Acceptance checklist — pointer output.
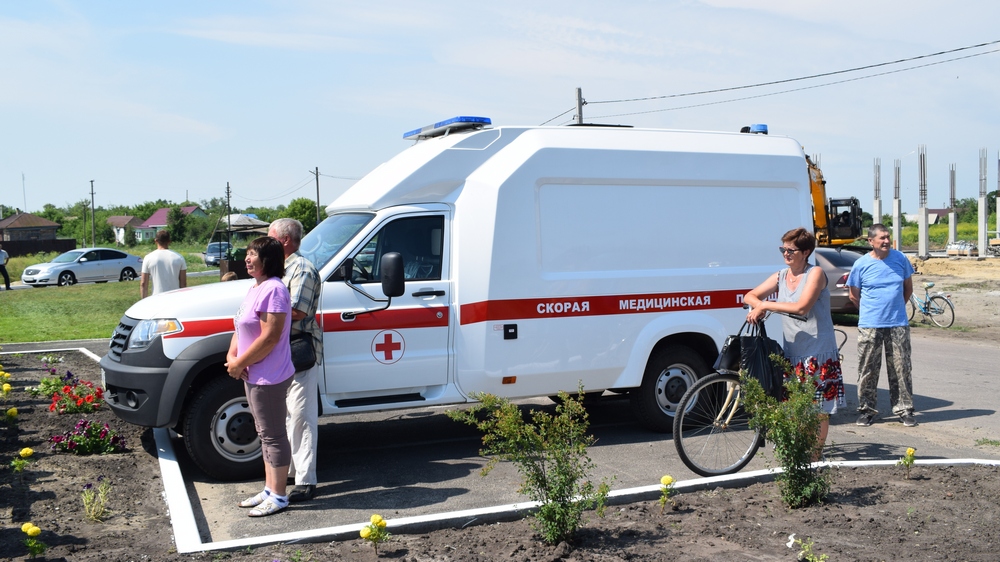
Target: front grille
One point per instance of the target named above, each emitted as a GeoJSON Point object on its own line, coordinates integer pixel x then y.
{"type": "Point", "coordinates": [120, 337]}
{"type": "Point", "coordinates": [30, 271]}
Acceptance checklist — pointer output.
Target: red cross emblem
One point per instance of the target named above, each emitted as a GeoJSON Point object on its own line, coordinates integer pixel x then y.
{"type": "Point", "coordinates": [388, 347]}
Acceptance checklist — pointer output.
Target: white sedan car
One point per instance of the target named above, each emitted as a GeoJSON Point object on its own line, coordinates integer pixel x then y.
{"type": "Point", "coordinates": [98, 265]}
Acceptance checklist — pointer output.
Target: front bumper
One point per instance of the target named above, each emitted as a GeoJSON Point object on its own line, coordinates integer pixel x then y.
{"type": "Point", "coordinates": [134, 385]}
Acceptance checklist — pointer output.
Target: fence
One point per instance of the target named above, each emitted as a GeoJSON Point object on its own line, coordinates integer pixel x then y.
{"type": "Point", "coordinates": [25, 247]}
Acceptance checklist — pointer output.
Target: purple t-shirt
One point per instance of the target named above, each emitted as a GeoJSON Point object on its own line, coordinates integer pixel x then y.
{"type": "Point", "coordinates": [269, 296]}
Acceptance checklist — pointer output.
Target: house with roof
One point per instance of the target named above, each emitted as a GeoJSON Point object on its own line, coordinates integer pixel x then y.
{"type": "Point", "coordinates": [147, 230]}
{"type": "Point", "coordinates": [120, 222]}
{"type": "Point", "coordinates": [25, 226]}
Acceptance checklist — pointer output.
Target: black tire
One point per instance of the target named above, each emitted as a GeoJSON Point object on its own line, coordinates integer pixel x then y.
{"type": "Point", "coordinates": [219, 432]}
{"type": "Point", "coordinates": [709, 440]}
{"type": "Point", "coordinates": [911, 309]}
{"type": "Point", "coordinates": [128, 274]}
{"type": "Point", "coordinates": [941, 311]}
{"type": "Point", "coordinates": [669, 373]}
{"type": "Point", "coordinates": [66, 278]}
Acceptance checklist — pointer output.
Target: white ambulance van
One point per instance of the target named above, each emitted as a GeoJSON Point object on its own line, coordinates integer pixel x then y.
{"type": "Point", "coordinates": [532, 259]}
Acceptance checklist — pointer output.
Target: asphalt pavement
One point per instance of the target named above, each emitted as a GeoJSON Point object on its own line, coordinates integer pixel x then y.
{"type": "Point", "coordinates": [418, 463]}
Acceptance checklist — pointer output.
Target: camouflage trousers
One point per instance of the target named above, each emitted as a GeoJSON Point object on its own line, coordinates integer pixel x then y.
{"type": "Point", "coordinates": [896, 343]}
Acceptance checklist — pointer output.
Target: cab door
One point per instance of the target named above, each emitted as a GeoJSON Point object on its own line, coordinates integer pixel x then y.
{"type": "Point", "coordinates": [403, 350]}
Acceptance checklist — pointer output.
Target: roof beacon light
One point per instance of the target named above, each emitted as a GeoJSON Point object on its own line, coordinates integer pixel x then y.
{"type": "Point", "coordinates": [758, 128]}
{"type": "Point", "coordinates": [442, 128]}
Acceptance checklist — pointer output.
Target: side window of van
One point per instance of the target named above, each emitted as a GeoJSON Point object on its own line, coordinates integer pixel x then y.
{"type": "Point", "coordinates": [419, 240]}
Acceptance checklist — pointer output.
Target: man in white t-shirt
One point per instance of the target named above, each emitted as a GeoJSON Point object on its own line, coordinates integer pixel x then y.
{"type": "Point", "coordinates": [166, 268]}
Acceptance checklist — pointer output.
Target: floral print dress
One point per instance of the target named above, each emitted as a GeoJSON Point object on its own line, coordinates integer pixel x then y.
{"type": "Point", "coordinates": [811, 345]}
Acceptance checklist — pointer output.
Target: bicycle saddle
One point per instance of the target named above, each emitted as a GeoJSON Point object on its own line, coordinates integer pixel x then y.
{"type": "Point", "coordinates": [928, 284]}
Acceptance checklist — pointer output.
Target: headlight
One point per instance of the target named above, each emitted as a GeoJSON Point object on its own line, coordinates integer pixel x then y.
{"type": "Point", "coordinates": [146, 330]}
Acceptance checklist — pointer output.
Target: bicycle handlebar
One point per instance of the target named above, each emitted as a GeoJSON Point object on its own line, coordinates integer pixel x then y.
{"type": "Point", "coordinates": [798, 317]}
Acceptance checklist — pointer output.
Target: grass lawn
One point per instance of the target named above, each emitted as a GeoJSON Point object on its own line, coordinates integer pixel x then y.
{"type": "Point", "coordinates": [83, 311]}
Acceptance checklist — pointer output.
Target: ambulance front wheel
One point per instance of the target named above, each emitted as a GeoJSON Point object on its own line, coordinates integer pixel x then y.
{"type": "Point", "coordinates": [669, 373]}
{"type": "Point", "coordinates": [219, 431]}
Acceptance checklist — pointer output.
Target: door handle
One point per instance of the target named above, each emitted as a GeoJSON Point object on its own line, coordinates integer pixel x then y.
{"type": "Point", "coordinates": [428, 293]}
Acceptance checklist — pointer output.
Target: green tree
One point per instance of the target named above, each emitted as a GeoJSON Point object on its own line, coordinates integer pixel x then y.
{"type": "Point", "coordinates": [302, 210]}
{"type": "Point", "coordinates": [177, 223]}
{"type": "Point", "coordinates": [130, 240]}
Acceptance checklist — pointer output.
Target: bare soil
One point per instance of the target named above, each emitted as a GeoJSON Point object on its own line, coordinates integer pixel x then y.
{"type": "Point", "coordinates": [938, 513]}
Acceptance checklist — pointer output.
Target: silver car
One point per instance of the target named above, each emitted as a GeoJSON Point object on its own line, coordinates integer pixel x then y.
{"type": "Point", "coordinates": [98, 265]}
{"type": "Point", "coordinates": [837, 264]}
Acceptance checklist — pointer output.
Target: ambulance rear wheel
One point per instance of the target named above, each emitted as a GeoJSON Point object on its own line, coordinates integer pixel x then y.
{"type": "Point", "coordinates": [219, 432]}
{"type": "Point", "coordinates": [669, 373]}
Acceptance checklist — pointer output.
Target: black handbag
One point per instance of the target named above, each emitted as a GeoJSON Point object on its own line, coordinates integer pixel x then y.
{"type": "Point", "coordinates": [755, 358]}
{"type": "Point", "coordinates": [303, 354]}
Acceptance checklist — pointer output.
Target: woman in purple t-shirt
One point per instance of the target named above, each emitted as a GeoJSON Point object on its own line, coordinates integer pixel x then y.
{"type": "Point", "coordinates": [260, 356]}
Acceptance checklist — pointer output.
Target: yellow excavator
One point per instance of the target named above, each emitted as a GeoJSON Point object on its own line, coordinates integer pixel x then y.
{"type": "Point", "coordinates": [836, 222]}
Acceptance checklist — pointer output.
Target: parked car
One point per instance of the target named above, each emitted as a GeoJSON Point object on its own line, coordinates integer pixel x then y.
{"type": "Point", "coordinates": [98, 265]}
{"type": "Point", "coordinates": [837, 264]}
{"type": "Point", "coordinates": [216, 252]}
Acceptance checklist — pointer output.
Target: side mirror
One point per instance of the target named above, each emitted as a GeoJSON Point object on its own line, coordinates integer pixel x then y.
{"type": "Point", "coordinates": [345, 269]}
{"type": "Point", "coordinates": [391, 268]}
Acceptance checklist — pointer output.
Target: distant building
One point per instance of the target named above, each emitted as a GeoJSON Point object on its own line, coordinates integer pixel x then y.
{"type": "Point", "coordinates": [120, 222]}
{"type": "Point", "coordinates": [25, 226]}
{"type": "Point", "coordinates": [934, 216]}
{"type": "Point", "coordinates": [147, 230]}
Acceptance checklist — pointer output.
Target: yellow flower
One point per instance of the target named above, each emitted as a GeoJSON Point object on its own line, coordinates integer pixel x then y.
{"type": "Point", "coordinates": [34, 531]}
{"type": "Point", "coordinates": [381, 524]}
{"type": "Point", "coordinates": [12, 413]}
{"type": "Point", "coordinates": [376, 519]}
{"type": "Point", "coordinates": [26, 526]}
{"type": "Point", "coordinates": [7, 387]}
{"type": "Point", "coordinates": [667, 480]}
{"type": "Point", "coordinates": [26, 452]}
{"type": "Point", "coordinates": [366, 532]}
{"type": "Point", "coordinates": [910, 451]}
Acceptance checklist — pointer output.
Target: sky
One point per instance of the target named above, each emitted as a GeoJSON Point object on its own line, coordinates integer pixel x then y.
{"type": "Point", "coordinates": [175, 100]}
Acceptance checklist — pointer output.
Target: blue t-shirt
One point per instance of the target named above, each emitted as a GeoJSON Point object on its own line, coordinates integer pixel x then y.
{"type": "Point", "coordinates": [881, 284]}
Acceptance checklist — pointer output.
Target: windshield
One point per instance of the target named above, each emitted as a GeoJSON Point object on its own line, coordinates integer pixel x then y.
{"type": "Point", "coordinates": [330, 236]}
{"type": "Point", "coordinates": [67, 257]}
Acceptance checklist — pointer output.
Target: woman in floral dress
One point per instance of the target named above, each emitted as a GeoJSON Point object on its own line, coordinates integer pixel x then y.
{"type": "Point", "coordinates": [810, 345]}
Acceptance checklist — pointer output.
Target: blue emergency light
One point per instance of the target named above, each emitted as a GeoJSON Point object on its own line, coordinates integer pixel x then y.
{"type": "Point", "coordinates": [758, 128]}
{"type": "Point", "coordinates": [448, 125]}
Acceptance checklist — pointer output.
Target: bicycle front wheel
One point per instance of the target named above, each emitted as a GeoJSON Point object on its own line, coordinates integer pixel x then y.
{"type": "Point", "coordinates": [712, 431]}
{"type": "Point", "coordinates": [911, 309]}
{"type": "Point", "coordinates": [941, 311]}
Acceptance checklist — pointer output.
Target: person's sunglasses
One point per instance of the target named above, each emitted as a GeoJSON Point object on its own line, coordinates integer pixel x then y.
{"type": "Point", "coordinates": [784, 250]}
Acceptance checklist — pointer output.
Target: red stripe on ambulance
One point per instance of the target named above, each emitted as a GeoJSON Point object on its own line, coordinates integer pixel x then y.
{"type": "Point", "coordinates": [527, 309]}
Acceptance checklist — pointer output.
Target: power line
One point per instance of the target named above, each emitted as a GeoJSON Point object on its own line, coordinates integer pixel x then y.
{"type": "Point", "coordinates": [339, 177]}
{"type": "Point", "coordinates": [822, 75]}
{"type": "Point", "coordinates": [794, 89]}
{"type": "Point", "coordinates": [785, 81]}
{"type": "Point", "coordinates": [281, 195]}
{"type": "Point", "coordinates": [791, 90]}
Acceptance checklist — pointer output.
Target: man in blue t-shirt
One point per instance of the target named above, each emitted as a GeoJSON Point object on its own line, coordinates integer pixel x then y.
{"type": "Point", "coordinates": [881, 284]}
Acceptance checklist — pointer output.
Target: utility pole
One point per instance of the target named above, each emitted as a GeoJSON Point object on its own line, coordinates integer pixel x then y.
{"type": "Point", "coordinates": [229, 219]}
{"type": "Point", "coordinates": [93, 226]}
{"type": "Point", "coordinates": [579, 106]}
{"type": "Point", "coordinates": [317, 195]}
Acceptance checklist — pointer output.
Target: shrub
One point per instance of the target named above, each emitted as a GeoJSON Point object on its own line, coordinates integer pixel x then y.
{"type": "Point", "coordinates": [792, 426]}
{"type": "Point", "coordinates": [550, 452]}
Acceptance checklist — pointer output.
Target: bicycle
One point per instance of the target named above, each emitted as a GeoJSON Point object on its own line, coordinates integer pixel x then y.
{"type": "Point", "coordinates": [712, 430]}
{"type": "Point", "coordinates": [938, 306]}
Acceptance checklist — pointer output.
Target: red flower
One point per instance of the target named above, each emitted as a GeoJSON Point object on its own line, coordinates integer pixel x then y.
{"type": "Point", "coordinates": [67, 389]}
{"type": "Point", "coordinates": [52, 407]}
{"type": "Point", "coordinates": [79, 402]}
{"type": "Point", "coordinates": [89, 398]}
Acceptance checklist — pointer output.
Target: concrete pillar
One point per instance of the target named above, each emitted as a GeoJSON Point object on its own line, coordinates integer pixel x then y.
{"type": "Point", "coordinates": [952, 226]}
{"type": "Point", "coordinates": [922, 235]}
{"type": "Point", "coordinates": [897, 222]}
{"type": "Point", "coordinates": [984, 239]}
